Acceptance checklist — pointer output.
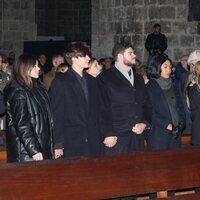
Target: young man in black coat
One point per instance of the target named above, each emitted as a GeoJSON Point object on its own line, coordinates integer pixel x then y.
{"type": "Point", "coordinates": [74, 100]}
{"type": "Point", "coordinates": [123, 102]}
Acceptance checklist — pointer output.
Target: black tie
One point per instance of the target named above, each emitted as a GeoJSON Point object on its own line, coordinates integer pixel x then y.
{"type": "Point", "coordinates": [129, 73]}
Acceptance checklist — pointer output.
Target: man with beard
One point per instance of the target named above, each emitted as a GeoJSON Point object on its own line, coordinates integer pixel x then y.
{"type": "Point", "coordinates": [156, 42]}
{"type": "Point", "coordinates": [123, 101]}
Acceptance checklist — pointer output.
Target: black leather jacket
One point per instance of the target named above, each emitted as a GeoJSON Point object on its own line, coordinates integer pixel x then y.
{"type": "Point", "coordinates": [28, 122]}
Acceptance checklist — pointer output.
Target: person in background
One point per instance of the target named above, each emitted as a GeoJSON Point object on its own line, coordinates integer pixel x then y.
{"type": "Point", "coordinates": [11, 58]}
{"type": "Point", "coordinates": [142, 70]}
{"type": "Point", "coordinates": [182, 72]}
{"type": "Point", "coordinates": [29, 123]}
{"type": "Point", "coordinates": [108, 62]}
{"type": "Point", "coordinates": [137, 65]}
{"type": "Point", "coordinates": [2, 112]}
{"type": "Point", "coordinates": [62, 68]}
{"type": "Point", "coordinates": [75, 106]}
{"type": "Point", "coordinates": [44, 66]}
{"type": "Point", "coordinates": [7, 68]}
{"type": "Point", "coordinates": [193, 58]}
{"type": "Point", "coordinates": [4, 80]}
{"type": "Point", "coordinates": [94, 68]}
{"type": "Point", "coordinates": [168, 113]}
{"type": "Point", "coordinates": [2, 105]}
{"type": "Point", "coordinates": [156, 42]}
{"type": "Point", "coordinates": [49, 77]}
{"type": "Point", "coordinates": [194, 105]}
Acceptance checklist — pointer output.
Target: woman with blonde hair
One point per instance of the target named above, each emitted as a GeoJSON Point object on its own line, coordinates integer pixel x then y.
{"type": "Point", "coordinates": [193, 89]}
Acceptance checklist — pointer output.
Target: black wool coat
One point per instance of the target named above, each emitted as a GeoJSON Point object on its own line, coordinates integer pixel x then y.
{"type": "Point", "coordinates": [76, 120]}
{"type": "Point", "coordinates": [158, 137]}
{"type": "Point", "coordinates": [122, 105]}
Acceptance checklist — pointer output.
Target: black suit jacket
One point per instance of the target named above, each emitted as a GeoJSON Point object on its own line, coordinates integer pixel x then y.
{"type": "Point", "coordinates": [75, 119]}
{"type": "Point", "coordinates": [122, 105]}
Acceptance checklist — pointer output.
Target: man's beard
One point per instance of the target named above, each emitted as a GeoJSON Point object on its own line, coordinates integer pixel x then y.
{"type": "Point", "coordinates": [129, 63]}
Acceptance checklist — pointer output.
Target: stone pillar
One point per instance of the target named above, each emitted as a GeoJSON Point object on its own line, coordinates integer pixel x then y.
{"type": "Point", "coordinates": [17, 24]}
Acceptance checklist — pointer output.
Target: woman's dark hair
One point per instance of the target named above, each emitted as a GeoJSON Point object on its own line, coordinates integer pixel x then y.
{"type": "Point", "coordinates": [156, 63]}
{"type": "Point", "coordinates": [23, 65]}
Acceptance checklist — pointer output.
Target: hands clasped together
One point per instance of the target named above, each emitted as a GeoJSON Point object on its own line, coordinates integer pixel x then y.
{"type": "Point", "coordinates": [112, 140]}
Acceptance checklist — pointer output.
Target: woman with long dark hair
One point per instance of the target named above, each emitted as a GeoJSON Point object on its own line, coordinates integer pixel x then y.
{"type": "Point", "coordinates": [29, 122]}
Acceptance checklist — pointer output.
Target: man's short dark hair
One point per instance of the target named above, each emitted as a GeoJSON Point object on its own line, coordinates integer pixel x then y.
{"type": "Point", "coordinates": [156, 25]}
{"type": "Point", "coordinates": [77, 49]}
{"type": "Point", "coordinates": [120, 48]}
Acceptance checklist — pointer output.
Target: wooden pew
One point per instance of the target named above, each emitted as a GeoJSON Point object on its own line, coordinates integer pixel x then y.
{"type": "Point", "coordinates": [103, 177]}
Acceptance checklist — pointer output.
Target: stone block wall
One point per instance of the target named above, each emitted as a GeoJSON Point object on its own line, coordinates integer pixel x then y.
{"type": "Point", "coordinates": [132, 20]}
{"type": "Point", "coordinates": [17, 24]}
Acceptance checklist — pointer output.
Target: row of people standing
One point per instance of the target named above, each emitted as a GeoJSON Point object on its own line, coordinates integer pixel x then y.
{"type": "Point", "coordinates": [92, 116]}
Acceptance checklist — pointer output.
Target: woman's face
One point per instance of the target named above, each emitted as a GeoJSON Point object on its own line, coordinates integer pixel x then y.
{"type": "Point", "coordinates": [97, 69]}
{"type": "Point", "coordinates": [4, 67]}
{"type": "Point", "coordinates": [166, 69]}
{"type": "Point", "coordinates": [34, 73]}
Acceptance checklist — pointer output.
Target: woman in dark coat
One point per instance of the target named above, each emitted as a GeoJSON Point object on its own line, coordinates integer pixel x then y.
{"type": "Point", "coordinates": [194, 104]}
{"type": "Point", "coordinates": [28, 122]}
{"type": "Point", "coordinates": [168, 115]}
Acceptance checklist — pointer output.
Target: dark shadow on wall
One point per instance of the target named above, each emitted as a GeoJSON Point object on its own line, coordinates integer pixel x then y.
{"type": "Point", "coordinates": [194, 8]}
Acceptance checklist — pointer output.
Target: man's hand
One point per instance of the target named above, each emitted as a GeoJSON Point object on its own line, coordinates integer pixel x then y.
{"type": "Point", "coordinates": [139, 128]}
{"type": "Point", "coordinates": [110, 141]}
{"type": "Point", "coordinates": [37, 156]}
{"type": "Point", "coordinates": [58, 153]}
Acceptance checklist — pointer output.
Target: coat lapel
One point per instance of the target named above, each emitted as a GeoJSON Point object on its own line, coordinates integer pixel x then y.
{"type": "Point", "coordinates": [121, 76]}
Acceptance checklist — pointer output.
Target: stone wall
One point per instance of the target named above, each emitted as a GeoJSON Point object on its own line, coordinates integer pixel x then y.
{"type": "Point", "coordinates": [17, 24]}
{"type": "Point", "coordinates": [114, 20]}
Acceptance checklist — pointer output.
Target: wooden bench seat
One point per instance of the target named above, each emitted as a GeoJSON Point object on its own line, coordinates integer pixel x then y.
{"type": "Point", "coordinates": [104, 177]}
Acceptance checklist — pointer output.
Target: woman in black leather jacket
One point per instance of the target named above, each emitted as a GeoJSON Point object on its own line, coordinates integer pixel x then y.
{"type": "Point", "coordinates": [29, 122]}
